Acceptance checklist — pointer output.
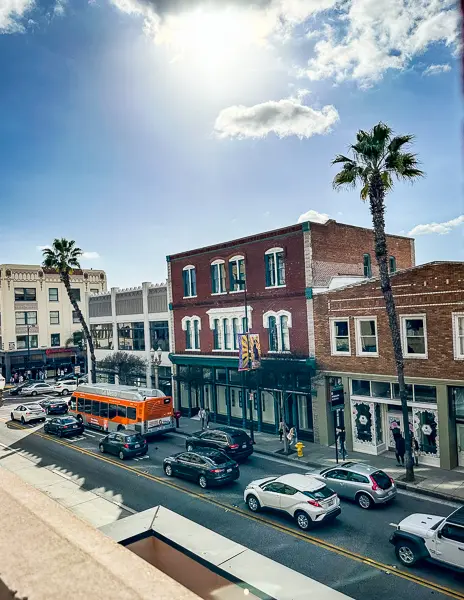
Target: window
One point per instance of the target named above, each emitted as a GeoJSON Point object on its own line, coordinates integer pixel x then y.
{"type": "Point", "coordinates": [232, 397]}
{"type": "Point", "coordinates": [392, 264]}
{"type": "Point", "coordinates": [425, 393]}
{"type": "Point", "coordinates": [26, 318]}
{"type": "Point", "coordinates": [237, 274]}
{"type": "Point", "coordinates": [131, 413]}
{"type": "Point", "coordinates": [88, 406]}
{"type": "Point", "coordinates": [340, 336]}
{"type": "Point", "coordinates": [381, 389]}
{"type": "Point", "coordinates": [278, 324]}
{"type": "Point", "coordinates": [159, 335]}
{"type": "Point", "coordinates": [284, 333]}
{"type": "Point", "coordinates": [80, 405]}
{"type": "Point", "coordinates": [95, 408]}
{"type": "Point", "coordinates": [21, 341]}
{"type": "Point", "coordinates": [55, 339]}
{"type": "Point", "coordinates": [366, 337]}
{"type": "Point", "coordinates": [357, 478]}
{"type": "Point", "coordinates": [104, 410]}
{"type": "Point", "coordinates": [131, 336]}
{"type": "Point", "coordinates": [414, 336]}
{"type": "Point", "coordinates": [25, 294]}
{"type": "Point", "coordinates": [218, 277]}
{"type": "Point", "coordinates": [275, 267]}
{"type": "Point", "coordinates": [53, 294]}
{"type": "Point", "coordinates": [102, 336]}
{"type": "Point", "coordinates": [216, 335]}
{"type": "Point", "coordinates": [189, 277]}
{"type": "Point", "coordinates": [121, 411]}
{"type": "Point", "coordinates": [188, 335]}
{"type": "Point", "coordinates": [235, 333]}
{"type": "Point", "coordinates": [196, 334]}
{"type": "Point", "coordinates": [226, 333]}
{"type": "Point", "coordinates": [367, 265]}
{"type": "Point", "coordinates": [54, 317]}
{"type": "Point", "coordinates": [453, 532]}
{"type": "Point", "coordinates": [338, 474]}
{"type": "Point", "coordinates": [458, 329]}
{"type": "Point", "coordinates": [75, 316]}
{"type": "Point", "coordinates": [361, 387]}
{"type": "Point", "coordinates": [76, 294]}
{"type": "Point", "coordinates": [396, 392]}
{"type": "Point", "coordinates": [192, 327]}
{"type": "Point", "coordinates": [272, 334]}
{"type": "Point", "coordinates": [112, 411]}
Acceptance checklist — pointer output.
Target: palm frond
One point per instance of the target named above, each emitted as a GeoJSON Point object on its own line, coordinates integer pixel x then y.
{"type": "Point", "coordinates": [386, 180]}
{"type": "Point", "coordinates": [404, 165]}
{"type": "Point", "coordinates": [399, 141]}
{"type": "Point", "coordinates": [348, 176]}
{"type": "Point", "coordinates": [340, 158]}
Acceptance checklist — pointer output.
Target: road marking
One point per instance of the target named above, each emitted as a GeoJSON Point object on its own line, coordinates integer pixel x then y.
{"type": "Point", "coordinates": [389, 569]}
{"type": "Point", "coordinates": [429, 498]}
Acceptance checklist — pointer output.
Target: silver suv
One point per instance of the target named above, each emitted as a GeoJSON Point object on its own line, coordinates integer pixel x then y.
{"type": "Point", "coordinates": [357, 481]}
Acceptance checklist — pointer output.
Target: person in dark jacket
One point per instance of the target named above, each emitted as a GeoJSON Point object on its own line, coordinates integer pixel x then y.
{"type": "Point", "coordinates": [400, 449]}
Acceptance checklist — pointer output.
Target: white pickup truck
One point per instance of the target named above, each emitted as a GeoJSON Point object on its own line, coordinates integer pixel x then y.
{"type": "Point", "coordinates": [428, 537]}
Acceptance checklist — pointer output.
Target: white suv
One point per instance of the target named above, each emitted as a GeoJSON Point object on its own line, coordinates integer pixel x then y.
{"type": "Point", "coordinates": [305, 498]}
{"type": "Point", "coordinates": [65, 386]}
{"type": "Point", "coordinates": [432, 538]}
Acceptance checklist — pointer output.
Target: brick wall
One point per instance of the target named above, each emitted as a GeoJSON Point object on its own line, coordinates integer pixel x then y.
{"type": "Point", "coordinates": [436, 290]}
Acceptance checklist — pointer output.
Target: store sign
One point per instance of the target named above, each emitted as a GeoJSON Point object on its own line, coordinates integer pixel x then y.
{"type": "Point", "coordinates": [51, 351]}
{"type": "Point", "coordinates": [337, 398]}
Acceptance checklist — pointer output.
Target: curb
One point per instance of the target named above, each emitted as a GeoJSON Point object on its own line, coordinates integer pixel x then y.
{"type": "Point", "coordinates": [401, 485]}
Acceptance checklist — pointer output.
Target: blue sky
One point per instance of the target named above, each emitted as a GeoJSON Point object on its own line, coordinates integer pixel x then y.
{"type": "Point", "coordinates": [141, 129]}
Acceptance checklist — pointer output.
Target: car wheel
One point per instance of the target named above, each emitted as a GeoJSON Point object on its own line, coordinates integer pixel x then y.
{"type": "Point", "coordinates": [203, 482]}
{"type": "Point", "coordinates": [102, 448]}
{"type": "Point", "coordinates": [23, 420]}
{"type": "Point", "coordinates": [64, 392]}
{"type": "Point", "coordinates": [168, 470]}
{"type": "Point", "coordinates": [253, 503]}
{"type": "Point", "coordinates": [303, 521]}
{"type": "Point", "coordinates": [12, 416]}
{"type": "Point", "coordinates": [60, 433]}
{"type": "Point", "coordinates": [34, 393]}
{"type": "Point", "coordinates": [121, 455]}
{"type": "Point", "coordinates": [121, 428]}
{"type": "Point", "coordinates": [364, 501]}
{"type": "Point", "coordinates": [45, 429]}
{"type": "Point", "coordinates": [80, 419]}
{"type": "Point", "coordinates": [190, 448]}
{"type": "Point", "coordinates": [406, 553]}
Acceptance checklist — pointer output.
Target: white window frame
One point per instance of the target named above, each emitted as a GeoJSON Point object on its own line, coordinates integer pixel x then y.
{"type": "Point", "coordinates": [333, 345]}
{"type": "Point", "coordinates": [192, 331]}
{"type": "Point", "coordinates": [215, 263]}
{"type": "Point", "coordinates": [357, 324]}
{"type": "Point", "coordinates": [235, 259]}
{"type": "Point", "coordinates": [277, 315]}
{"type": "Point", "coordinates": [50, 317]}
{"type": "Point", "coordinates": [189, 268]}
{"type": "Point", "coordinates": [229, 313]}
{"type": "Point", "coordinates": [456, 317]}
{"type": "Point", "coordinates": [276, 251]}
{"type": "Point", "coordinates": [404, 345]}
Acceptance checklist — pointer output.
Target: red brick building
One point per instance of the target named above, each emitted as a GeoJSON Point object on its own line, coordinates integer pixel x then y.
{"type": "Point", "coordinates": [354, 348]}
{"type": "Point", "coordinates": [283, 269]}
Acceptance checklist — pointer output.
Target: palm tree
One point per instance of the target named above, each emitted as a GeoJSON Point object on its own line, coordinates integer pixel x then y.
{"type": "Point", "coordinates": [63, 257]}
{"type": "Point", "coordinates": [377, 157]}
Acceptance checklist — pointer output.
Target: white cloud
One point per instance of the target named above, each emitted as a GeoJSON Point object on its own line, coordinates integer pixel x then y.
{"type": "Point", "coordinates": [436, 69]}
{"type": "Point", "coordinates": [314, 216]}
{"type": "Point", "coordinates": [440, 228]}
{"type": "Point", "coordinates": [84, 255]}
{"type": "Point", "coordinates": [283, 118]}
{"type": "Point", "coordinates": [59, 7]}
{"type": "Point", "coordinates": [11, 13]}
{"type": "Point", "coordinates": [373, 37]}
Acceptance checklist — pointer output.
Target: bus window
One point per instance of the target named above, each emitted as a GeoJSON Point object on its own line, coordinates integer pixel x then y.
{"type": "Point", "coordinates": [113, 410]}
{"type": "Point", "coordinates": [72, 403]}
{"type": "Point", "coordinates": [131, 413]}
{"type": "Point", "coordinates": [88, 406]}
{"type": "Point", "coordinates": [80, 405]}
{"type": "Point", "coordinates": [121, 411]}
{"type": "Point", "coordinates": [95, 408]}
{"type": "Point", "coordinates": [104, 410]}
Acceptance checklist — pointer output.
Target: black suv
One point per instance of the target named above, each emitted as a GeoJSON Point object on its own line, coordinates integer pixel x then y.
{"type": "Point", "coordinates": [236, 443]}
{"type": "Point", "coordinates": [208, 467]}
{"type": "Point", "coordinates": [54, 407]}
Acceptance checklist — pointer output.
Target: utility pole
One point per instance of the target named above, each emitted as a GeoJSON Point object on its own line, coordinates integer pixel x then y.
{"type": "Point", "coordinates": [28, 347]}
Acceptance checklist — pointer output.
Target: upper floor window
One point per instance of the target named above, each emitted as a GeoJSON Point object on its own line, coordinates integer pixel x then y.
{"type": "Point", "coordinates": [414, 336]}
{"type": "Point", "coordinates": [275, 267]}
{"type": "Point", "coordinates": [53, 294]}
{"type": "Point", "coordinates": [218, 277]}
{"type": "Point", "coordinates": [226, 333]}
{"type": "Point", "coordinates": [26, 318]}
{"type": "Point", "coordinates": [392, 264]}
{"type": "Point", "coordinates": [367, 265]}
{"type": "Point", "coordinates": [235, 332]}
{"type": "Point", "coordinates": [54, 317]}
{"type": "Point", "coordinates": [217, 345]}
{"type": "Point", "coordinates": [75, 316]}
{"type": "Point", "coordinates": [192, 327]}
{"type": "Point", "coordinates": [458, 330]}
{"type": "Point", "coordinates": [76, 294]}
{"type": "Point", "coordinates": [25, 294]}
{"type": "Point", "coordinates": [277, 324]}
{"type": "Point", "coordinates": [189, 276]}
{"type": "Point", "coordinates": [55, 339]}
{"type": "Point", "coordinates": [237, 274]}
{"type": "Point", "coordinates": [131, 336]}
{"type": "Point", "coordinates": [102, 335]}
{"type": "Point", "coordinates": [366, 336]}
{"type": "Point", "coordinates": [340, 336]}
{"type": "Point", "coordinates": [23, 341]}
{"type": "Point", "coordinates": [159, 335]}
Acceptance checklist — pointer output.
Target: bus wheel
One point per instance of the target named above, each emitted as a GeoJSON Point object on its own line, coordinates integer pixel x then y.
{"type": "Point", "coordinates": [121, 427]}
{"type": "Point", "coordinates": [80, 419]}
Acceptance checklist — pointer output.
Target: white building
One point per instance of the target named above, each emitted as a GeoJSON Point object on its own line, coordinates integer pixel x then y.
{"type": "Point", "coordinates": [134, 320]}
{"type": "Point", "coordinates": [37, 318]}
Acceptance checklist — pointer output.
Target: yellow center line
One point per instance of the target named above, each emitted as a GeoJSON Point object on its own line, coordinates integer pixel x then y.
{"type": "Point", "coordinates": [253, 517]}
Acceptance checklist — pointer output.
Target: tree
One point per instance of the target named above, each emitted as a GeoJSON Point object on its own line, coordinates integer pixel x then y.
{"type": "Point", "coordinates": [63, 257]}
{"type": "Point", "coordinates": [126, 365]}
{"type": "Point", "coordinates": [377, 158]}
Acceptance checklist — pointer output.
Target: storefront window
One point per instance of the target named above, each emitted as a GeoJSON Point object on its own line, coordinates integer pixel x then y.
{"type": "Point", "coordinates": [425, 428]}
{"type": "Point", "coordinates": [361, 387]}
{"type": "Point", "coordinates": [235, 408]}
{"type": "Point", "coordinates": [221, 375]}
{"type": "Point", "coordinates": [305, 412]}
{"type": "Point", "coordinates": [221, 400]}
{"type": "Point", "coordinates": [21, 341]}
{"type": "Point", "coordinates": [208, 374]}
{"type": "Point", "coordinates": [457, 394]}
{"type": "Point", "coordinates": [381, 389]}
{"type": "Point", "coordinates": [235, 376]}
{"type": "Point", "coordinates": [378, 424]}
{"type": "Point", "coordinates": [363, 422]}
{"type": "Point", "coordinates": [396, 392]}
{"type": "Point", "coordinates": [183, 388]}
{"type": "Point", "coordinates": [425, 393]}
{"type": "Point", "coordinates": [183, 371]}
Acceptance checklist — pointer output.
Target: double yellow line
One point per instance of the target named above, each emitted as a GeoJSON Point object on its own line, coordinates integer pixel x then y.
{"type": "Point", "coordinates": [408, 576]}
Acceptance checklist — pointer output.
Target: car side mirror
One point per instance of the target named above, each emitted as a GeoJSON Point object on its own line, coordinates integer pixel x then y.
{"type": "Point", "coordinates": [439, 534]}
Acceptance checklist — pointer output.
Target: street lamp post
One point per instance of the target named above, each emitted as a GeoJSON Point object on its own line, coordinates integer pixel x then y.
{"type": "Point", "coordinates": [28, 348]}
{"type": "Point", "coordinates": [156, 358]}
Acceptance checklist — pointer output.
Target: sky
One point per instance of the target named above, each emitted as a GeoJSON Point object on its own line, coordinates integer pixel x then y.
{"type": "Point", "coordinates": [141, 129]}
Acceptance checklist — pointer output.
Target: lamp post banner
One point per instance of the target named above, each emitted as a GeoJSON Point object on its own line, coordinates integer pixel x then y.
{"type": "Point", "coordinates": [249, 351]}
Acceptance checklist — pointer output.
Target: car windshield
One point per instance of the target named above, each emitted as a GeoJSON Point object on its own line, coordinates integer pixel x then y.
{"type": "Point", "coordinates": [320, 494]}
{"type": "Point", "coordinates": [34, 407]}
{"type": "Point", "coordinates": [68, 420]}
{"type": "Point", "coordinates": [134, 438]}
{"type": "Point", "coordinates": [219, 459]}
{"type": "Point", "coordinates": [239, 437]}
{"type": "Point", "coordinates": [382, 480]}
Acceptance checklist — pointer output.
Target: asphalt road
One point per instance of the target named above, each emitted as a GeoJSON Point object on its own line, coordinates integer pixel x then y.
{"type": "Point", "coordinates": [352, 554]}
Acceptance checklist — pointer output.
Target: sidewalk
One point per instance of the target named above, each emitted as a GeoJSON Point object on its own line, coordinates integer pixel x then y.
{"type": "Point", "coordinates": [430, 481]}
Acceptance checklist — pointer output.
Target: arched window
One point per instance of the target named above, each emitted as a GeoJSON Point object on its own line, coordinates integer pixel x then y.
{"type": "Point", "coordinates": [237, 277]}
{"type": "Point", "coordinates": [190, 281]}
{"type": "Point", "coordinates": [278, 324]}
{"type": "Point", "coordinates": [367, 265]}
{"type": "Point", "coordinates": [192, 328]}
{"type": "Point", "coordinates": [392, 264]}
{"type": "Point", "coordinates": [274, 262]}
{"type": "Point", "coordinates": [218, 277]}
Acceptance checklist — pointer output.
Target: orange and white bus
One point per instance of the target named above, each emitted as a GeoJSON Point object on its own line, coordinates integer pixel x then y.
{"type": "Point", "coordinates": [110, 407]}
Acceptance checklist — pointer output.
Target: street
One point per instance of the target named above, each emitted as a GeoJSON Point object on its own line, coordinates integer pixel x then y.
{"type": "Point", "coordinates": [351, 551]}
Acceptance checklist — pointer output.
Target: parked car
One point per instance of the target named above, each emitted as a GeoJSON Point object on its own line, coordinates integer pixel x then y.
{"type": "Point", "coordinates": [54, 407]}
{"type": "Point", "coordinates": [362, 483]}
{"type": "Point", "coordinates": [34, 389]}
{"type": "Point", "coordinates": [432, 538]}
{"type": "Point", "coordinates": [125, 444]}
{"type": "Point", "coordinates": [208, 467]}
{"type": "Point", "coordinates": [305, 498]}
{"type": "Point", "coordinates": [28, 412]}
{"type": "Point", "coordinates": [17, 389]}
{"type": "Point", "coordinates": [64, 387]}
{"type": "Point", "coordinates": [63, 426]}
{"type": "Point", "coordinates": [235, 442]}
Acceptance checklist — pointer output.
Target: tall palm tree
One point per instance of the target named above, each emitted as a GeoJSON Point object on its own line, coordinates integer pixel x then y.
{"type": "Point", "coordinates": [63, 257]}
{"type": "Point", "coordinates": [377, 158]}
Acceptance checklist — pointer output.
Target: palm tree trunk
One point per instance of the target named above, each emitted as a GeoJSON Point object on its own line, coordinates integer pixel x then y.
{"type": "Point", "coordinates": [377, 206]}
{"type": "Point", "coordinates": [88, 337]}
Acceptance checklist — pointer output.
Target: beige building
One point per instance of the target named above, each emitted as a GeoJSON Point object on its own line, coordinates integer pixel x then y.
{"type": "Point", "coordinates": [37, 318]}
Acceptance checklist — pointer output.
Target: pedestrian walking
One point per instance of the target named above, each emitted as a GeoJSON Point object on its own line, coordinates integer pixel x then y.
{"type": "Point", "coordinates": [415, 450]}
{"type": "Point", "coordinates": [400, 449]}
{"type": "Point", "coordinates": [281, 430]}
{"type": "Point", "coordinates": [202, 415]}
{"type": "Point", "coordinates": [291, 437]}
{"type": "Point", "coordinates": [341, 435]}
{"type": "Point", "coordinates": [21, 379]}
{"type": "Point", "coordinates": [177, 418]}
{"type": "Point", "coordinates": [207, 417]}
